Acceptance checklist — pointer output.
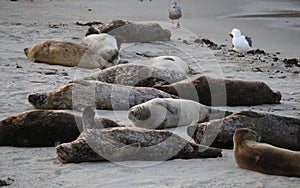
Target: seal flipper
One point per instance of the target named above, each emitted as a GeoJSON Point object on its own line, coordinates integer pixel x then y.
{"type": "Point", "coordinates": [171, 108]}
{"type": "Point", "coordinates": [88, 116]}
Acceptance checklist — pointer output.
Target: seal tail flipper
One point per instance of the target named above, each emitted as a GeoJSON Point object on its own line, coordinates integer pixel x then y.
{"type": "Point", "coordinates": [88, 118]}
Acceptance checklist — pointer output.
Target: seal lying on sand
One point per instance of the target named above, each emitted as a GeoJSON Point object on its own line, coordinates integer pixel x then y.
{"type": "Point", "coordinates": [264, 158]}
{"type": "Point", "coordinates": [126, 31]}
{"type": "Point", "coordinates": [43, 128]}
{"type": "Point", "coordinates": [81, 93]}
{"type": "Point", "coordinates": [279, 131]}
{"type": "Point", "coordinates": [96, 51]}
{"type": "Point", "coordinates": [171, 62]}
{"type": "Point", "coordinates": [221, 92]}
{"type": "Point", "coordinates": [123, 144]}
{"type": "Point", "coordinates": [166, 113]}
{"type": "Point", "coordinates": [137, 75]}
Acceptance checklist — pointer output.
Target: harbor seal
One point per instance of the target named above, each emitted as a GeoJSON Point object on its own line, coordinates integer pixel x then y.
{"type": "Point", "coordinates": [264, 158]}
{"type": "Point", "coordinates": [137, 75]}
{"type": "Point", "coordinates": [129, 32]}
{"type": "Point", "coordinates": [128, 143]}
{"type": "Point", "coordinates": [171, 62]}
{"type": "Point", "coordinates": [98, 51]}
{"type": "Point", "coordinates": [44, 128]}
{"type": "Point", "coordinates": [276, 130]}
{"type": "Point", "coordinates": [81, 93]}
{"type": "Point", "coordinates": [167, 113]}
{"type": "Point", "coordinates": [222, 92]}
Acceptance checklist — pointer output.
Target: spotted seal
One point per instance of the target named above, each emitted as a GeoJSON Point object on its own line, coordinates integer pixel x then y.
{"type": "Point", "coordinates": [80, 93]}
{"type": "Point", "coordinates": [44, 128]}
{"type": "Point", "coordinates": [137, 75]}
{"type": "Point", "coordinates": [276, 130]}
{"type": "Point", "coordinates": [221, 92]}
{"type": "Point", "coordinates": [128, 143]}
{"type": "Point", "coordinates": [264, 158]}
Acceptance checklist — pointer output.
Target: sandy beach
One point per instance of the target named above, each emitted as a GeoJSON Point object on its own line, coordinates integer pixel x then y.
{"type": "Point", "coordinates": [273, 25]}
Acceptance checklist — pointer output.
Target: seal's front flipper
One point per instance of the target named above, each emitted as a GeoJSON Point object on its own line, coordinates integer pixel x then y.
{"type": "Point", "coordinates": [88, 116]}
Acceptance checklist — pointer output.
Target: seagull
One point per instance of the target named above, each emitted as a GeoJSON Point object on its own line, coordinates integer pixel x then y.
{"type": "Point", "coordinates": [240, 43]}
{"type": "Point", "coordinates": [175, 12]}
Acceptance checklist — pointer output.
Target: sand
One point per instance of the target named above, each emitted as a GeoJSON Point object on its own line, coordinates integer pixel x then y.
{"type": "Point", "coordinates": [273, 25]}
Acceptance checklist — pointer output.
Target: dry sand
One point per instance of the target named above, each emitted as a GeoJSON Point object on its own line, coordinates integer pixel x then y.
{"type": "Point", "coordinates": [24, 23]}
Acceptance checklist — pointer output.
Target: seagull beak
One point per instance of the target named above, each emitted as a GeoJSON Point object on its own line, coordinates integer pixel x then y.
{"type": "Point", "coordinates": [230, 34]}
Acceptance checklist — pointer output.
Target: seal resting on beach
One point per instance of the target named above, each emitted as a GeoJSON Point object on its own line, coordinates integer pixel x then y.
{"type": "Point", "coordinates": [137, 75]}
{"type": "Point", "coordinates": [167, 113]}
{"type": "Point", "coordinates": [81, 93]}
{"type": "Point", "coordinates": [276, 130]}
{"type": "Point", "coordinates": [44, 128]}
{"type": "Point", "coordinates": [222, 92]}
{"type": "Point", "coordinates": [95, 51]}
{"type": "Point", "coordinates": [128, 143]}
{"type": "Point", "coordinates": [171, 62]}
{"type": "Point", "coordinates": [127, 32]}
{"type": "Point", "coordinates": [264, 158]}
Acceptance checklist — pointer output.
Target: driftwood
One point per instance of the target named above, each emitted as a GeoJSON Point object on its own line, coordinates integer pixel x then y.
{"type": "Point", "coordinates": [276, 130]}
{"type": "Point", "coordinates": [128, 143]}
{"type": "Point", "coordinates": [42, 128]}
{"type": "Point", "coordinates": [126, 32]}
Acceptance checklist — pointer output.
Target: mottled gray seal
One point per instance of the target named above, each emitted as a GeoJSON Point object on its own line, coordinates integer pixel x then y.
{"type": "Point", "coordinates": [44, 128]}
{"type": "Point", "coordinates": [126, 31]}
{"type": "Point", "coordinates": [137, 75]}
{"type": "Point", "coordinates": [80, 93]}
{"type": "Point", "coordinates": [96, 51]}
{"type": "Point", "coordinates": [166, 113]}
{"type": "Point", "coordinates": [128, 143]}
{"type": "Point", "coordinates": [221, 92]}
{"type": "Point", "coordinates": [264, 158]}
{"type": "Point", "coordinates": [276, 130]}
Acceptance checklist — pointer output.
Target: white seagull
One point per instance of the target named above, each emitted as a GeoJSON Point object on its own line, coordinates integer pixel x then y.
{"type": "Point", "coordinates": [175, 12]}
{"type": "Point", "coordinates": [240, 43]}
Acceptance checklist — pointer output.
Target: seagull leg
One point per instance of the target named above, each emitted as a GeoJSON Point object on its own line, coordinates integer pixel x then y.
{"type": "Point", "coordinates": [178, 24]}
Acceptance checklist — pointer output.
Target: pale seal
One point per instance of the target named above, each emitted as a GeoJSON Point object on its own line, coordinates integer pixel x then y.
{"type": "Point", "coordinates": [171, 62]}
{"type": "Point", "coordinates": [44, 128]}
{"type": "Point", "coordinates": [128, 143]}
{"type": "Point", "coordinates": [221, 92]}
{"type": "Point", "coordinates": [98, 51]}
{"type": "Point", "coordinates": [167, 113]}
{"type": "Point", "coordinates": [276, 130]}
{"type": "Point", "coordinates": [137, 75]}
{"type": "Point", "coordinates": [264, 158]}
{"type": "Point", "coordinates": [80, 93]}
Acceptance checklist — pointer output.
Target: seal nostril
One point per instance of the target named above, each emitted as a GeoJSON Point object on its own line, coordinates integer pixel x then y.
{"type": "Point", "coordinates": [26, 51]}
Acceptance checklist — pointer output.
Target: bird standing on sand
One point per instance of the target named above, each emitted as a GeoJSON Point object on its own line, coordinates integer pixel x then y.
{"type": "Point", "coordinates": [240, 42]}
{"type": "Point", "coordinates": [175, 12]}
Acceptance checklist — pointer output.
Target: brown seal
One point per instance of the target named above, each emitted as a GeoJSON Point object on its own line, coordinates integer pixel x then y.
{"type": "Point", "coordinates": [81, 93]}
{"type": "Point", "coordinates": [98, 51]}
{"type": "Point", "coordinates": [221, 92]}
{"type": "Point", "coordinates": [128, 143]}
{"type": "Point", "coordinates": [44, 128]}
{"type": "Point", "coordinates": [264, 158]}
{"type": "Point", "coordinates": [276, 130]}
{"type": "Point", "coordinates": [137, 75]}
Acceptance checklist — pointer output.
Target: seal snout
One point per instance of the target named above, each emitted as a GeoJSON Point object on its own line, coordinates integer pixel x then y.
{"type": "Point", "coordinates": [278, 97]}
{"type": "Point", "coordinates": [37, 98]}
{"type": "Point", "coordinates": [26, 51]}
